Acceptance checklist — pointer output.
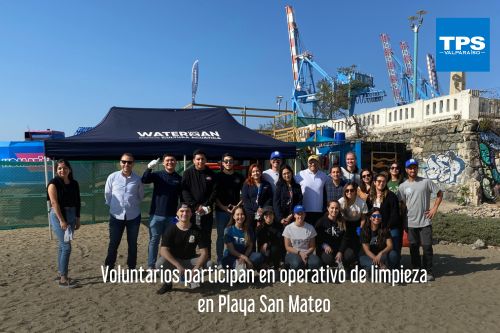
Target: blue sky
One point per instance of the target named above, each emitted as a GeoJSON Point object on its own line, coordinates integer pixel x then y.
{"type": "Point", "coordinates": [63, 64]}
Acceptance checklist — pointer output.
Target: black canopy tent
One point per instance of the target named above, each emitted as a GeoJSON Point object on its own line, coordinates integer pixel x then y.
{"type": "Point", "coordinates": [149, 133]}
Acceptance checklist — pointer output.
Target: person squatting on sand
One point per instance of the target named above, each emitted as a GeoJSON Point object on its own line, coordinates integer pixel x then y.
{"type": "Point", "coordinates": [270, 239]}
{"type": "Point", "coordinates": [123, 192]}
{"type": "Point", "coordinates": [178, 246]}
{"type": "Point", "coordinates": [377, 244]}
{"type": "Point", "coordinates": [299, 239]}
{"type": "Point", "coordinates": [63, 192]}
{"type": "Point", "coordinates": [239, 244]}
{"type": "Point", "coordinates": [332, 244]}
{"type": "Point", "coordinates": [166, 192]}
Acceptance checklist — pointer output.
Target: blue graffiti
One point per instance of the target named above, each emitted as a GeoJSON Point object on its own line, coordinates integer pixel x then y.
{"type": "Point", "coordinates": [445, 168]}
{"type": "Point", "coordinates": [489, 148]}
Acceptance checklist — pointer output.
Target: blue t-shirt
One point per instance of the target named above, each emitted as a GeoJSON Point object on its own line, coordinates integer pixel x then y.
{"type": "Point", "coordinates": [236, 237]}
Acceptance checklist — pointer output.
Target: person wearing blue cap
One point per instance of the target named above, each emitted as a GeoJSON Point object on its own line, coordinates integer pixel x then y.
{"type": "Point", "coordinates": [415, 193]}
{"type": "Point", "coordinates": [272, 174]}
{"type": "Point", "coordinates": [300, 242]}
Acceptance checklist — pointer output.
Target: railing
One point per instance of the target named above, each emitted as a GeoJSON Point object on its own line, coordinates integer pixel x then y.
{"type": "Point", "coordinates": [464, 105]}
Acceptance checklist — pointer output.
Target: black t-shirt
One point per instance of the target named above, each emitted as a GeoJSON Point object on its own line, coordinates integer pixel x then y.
{"type": "Point", "coordinates": [182, 243]}
{"type": "Point", "coordinates": [371, 238]}
{"type": "Point", "coordinates": [68, 195]}
{"type": "Point", "coordinates": [270, 233]}
{"type": "Point", "coordinates": [228, 188]}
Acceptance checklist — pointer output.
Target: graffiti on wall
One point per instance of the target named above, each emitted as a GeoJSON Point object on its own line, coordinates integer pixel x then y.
{"type": "Point", "coordinates": [444, 168]}
{"type": "Point", "coordinates": [489, 148]}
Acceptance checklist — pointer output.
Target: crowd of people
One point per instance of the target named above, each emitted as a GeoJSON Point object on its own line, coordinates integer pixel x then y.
{"type": "Point", "coordinates": [270, 219]}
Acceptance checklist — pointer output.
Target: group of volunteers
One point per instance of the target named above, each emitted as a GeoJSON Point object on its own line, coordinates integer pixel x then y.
{"type": "Point", "coordinates": [270, 219]}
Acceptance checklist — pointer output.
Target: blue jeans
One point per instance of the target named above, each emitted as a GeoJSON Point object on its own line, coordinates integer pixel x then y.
{"type": "Point", "coordinates": [255, 257]}
{"type": "Point", "coordinates": [390, 260]}
{"type": "Point", "coordinates": [396, 243]}
{"type": "Point", "coordinates": [64, 249]}
{"type": "Point", "coordinates": [157, 226]}
{"type": "Point", "coordinates": [294, 261]}
{"type": "Point", "coordinates": [116, 228]}
{"type": "Point", "coordinates": [222, 219]}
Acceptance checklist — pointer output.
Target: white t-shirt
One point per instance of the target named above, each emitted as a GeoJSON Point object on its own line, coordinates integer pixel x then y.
{"type": "Point", "coordinates": [299, 236]}
{"type": "Point", "coordinates": [272, 177]}
{"type": "Point", "coordinates": [312, 185]}
{"type": "Point", "coordinates": [353, 213]}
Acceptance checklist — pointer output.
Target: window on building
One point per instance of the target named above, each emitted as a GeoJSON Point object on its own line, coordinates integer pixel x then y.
{"type": "Point", "coordinates": [378, 118]}
{"type": "Point", "coordinates": [412, 113]}
{"type": "Point", "coordinates": [406, 113]}
{"type": "Point", "coordinates": [440, 106]}
{"type": "Point", "coordinates": [427, 108]}
{"type": "Point", "coordinates": [433, 107]}
{"type": "Point", "coordinates": [447, 105]}
{"type": "Point", "coordinates": [390, 116]}
{"type": "Point", "coordinates": [455, 104]}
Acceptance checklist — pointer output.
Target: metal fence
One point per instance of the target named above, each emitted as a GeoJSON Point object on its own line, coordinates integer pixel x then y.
{"type": "Point", "coordinates": [23, 195]}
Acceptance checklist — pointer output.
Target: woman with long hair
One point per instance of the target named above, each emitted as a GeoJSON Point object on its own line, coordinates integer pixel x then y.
{"type": "Point", "coordinates": [256, 193]}
{"type": "Point", "coordinates": [332, 240]}
{"type": "Point", "coordinates": [366, 184]}
{"type": "Point", "coordinates": [288, 194]}
{"type": "Point", "coordinates": [353, 211]}
{"type": "Point", "coordinates": [377, 244]}
{"type": "Point", "coordinates": [395, 179]}
{"type": "Point", "coordinates": [238, 242]}
{"type": "Point", "coordinates": [388, 204]}
{"type": "Point", "coordinates": [63, 192]}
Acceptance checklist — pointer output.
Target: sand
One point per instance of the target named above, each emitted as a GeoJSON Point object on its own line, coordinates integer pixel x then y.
{"type": "Point", "coordinates": [465, 296]}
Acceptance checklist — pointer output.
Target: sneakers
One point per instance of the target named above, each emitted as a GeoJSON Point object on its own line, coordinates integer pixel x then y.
{"type": "Point", "coordinates": [430, 277]}
{"type": "Point", "coordinates": [70, 284]}
{"type": "Point", "coordinates": [164, 289]}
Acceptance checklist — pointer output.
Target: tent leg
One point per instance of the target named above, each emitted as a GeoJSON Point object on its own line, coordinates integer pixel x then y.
{"type": "Point", "coordinates": [48, 202]}
{"type": "Point", "coordinates": [184, 163]}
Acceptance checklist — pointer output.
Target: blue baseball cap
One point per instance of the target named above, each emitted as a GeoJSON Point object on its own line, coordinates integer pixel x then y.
{"type": "Point", "coordinates": [411, 162]}
{"type": "Point", "coordinates": [275, 154]}
{"type": "Point", "coordinates": [298, 209]}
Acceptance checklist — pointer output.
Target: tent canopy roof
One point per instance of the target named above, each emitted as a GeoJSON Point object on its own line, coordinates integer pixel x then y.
{"type": "Point", "coordinates": [149, 133]}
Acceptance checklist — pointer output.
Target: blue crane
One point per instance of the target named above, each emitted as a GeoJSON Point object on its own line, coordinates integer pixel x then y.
{"type": "Point", "coordinates": [304, 66]}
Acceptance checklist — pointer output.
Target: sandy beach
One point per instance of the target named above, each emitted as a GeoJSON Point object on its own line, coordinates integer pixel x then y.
{"type": "Point", "coordinates": [465, 296]}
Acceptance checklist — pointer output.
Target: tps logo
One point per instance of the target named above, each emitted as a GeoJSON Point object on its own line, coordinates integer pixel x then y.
{"type": "Point", "coordinates": [462, 44]}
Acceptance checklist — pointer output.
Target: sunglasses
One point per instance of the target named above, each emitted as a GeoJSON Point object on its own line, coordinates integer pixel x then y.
{"type": "Point", "coordinates": [127, 162]}
{"type": "Point", "coordinates": [350, 190]}
{"type": "Point", "coordinates": [377, 216]}
{"type": "Point", "coordinates": [394, 168]}
{"type": "Point", "coordinates": [228, 161]}
{"type": "Point", "coordinates": [366, 176]}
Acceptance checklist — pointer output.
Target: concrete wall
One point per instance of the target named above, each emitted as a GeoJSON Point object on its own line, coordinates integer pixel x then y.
{"type": "Point", "coordinates": [443, 134]}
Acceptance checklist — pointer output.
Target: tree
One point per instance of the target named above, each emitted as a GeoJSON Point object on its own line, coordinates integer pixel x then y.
{"type": "Point", "coordinates": [335, 101]}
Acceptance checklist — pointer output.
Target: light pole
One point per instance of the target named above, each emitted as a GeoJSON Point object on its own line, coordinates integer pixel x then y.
{"type": "Point", "coordinates": [415, 23]}
{"type": "Point", "coordinates": [278, 102]}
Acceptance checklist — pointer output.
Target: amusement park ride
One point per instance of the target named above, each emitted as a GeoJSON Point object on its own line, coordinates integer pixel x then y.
{"type": "Point", "coordinates": [304, 86]}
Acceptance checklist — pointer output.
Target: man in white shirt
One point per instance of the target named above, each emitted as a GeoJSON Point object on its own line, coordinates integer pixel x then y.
{"type": "Point", "coordinates": [272, 174]}
{"type": "Point", "coordinates": [124, 192]}
{"type": "Point", "coordinates": [312, 181]}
